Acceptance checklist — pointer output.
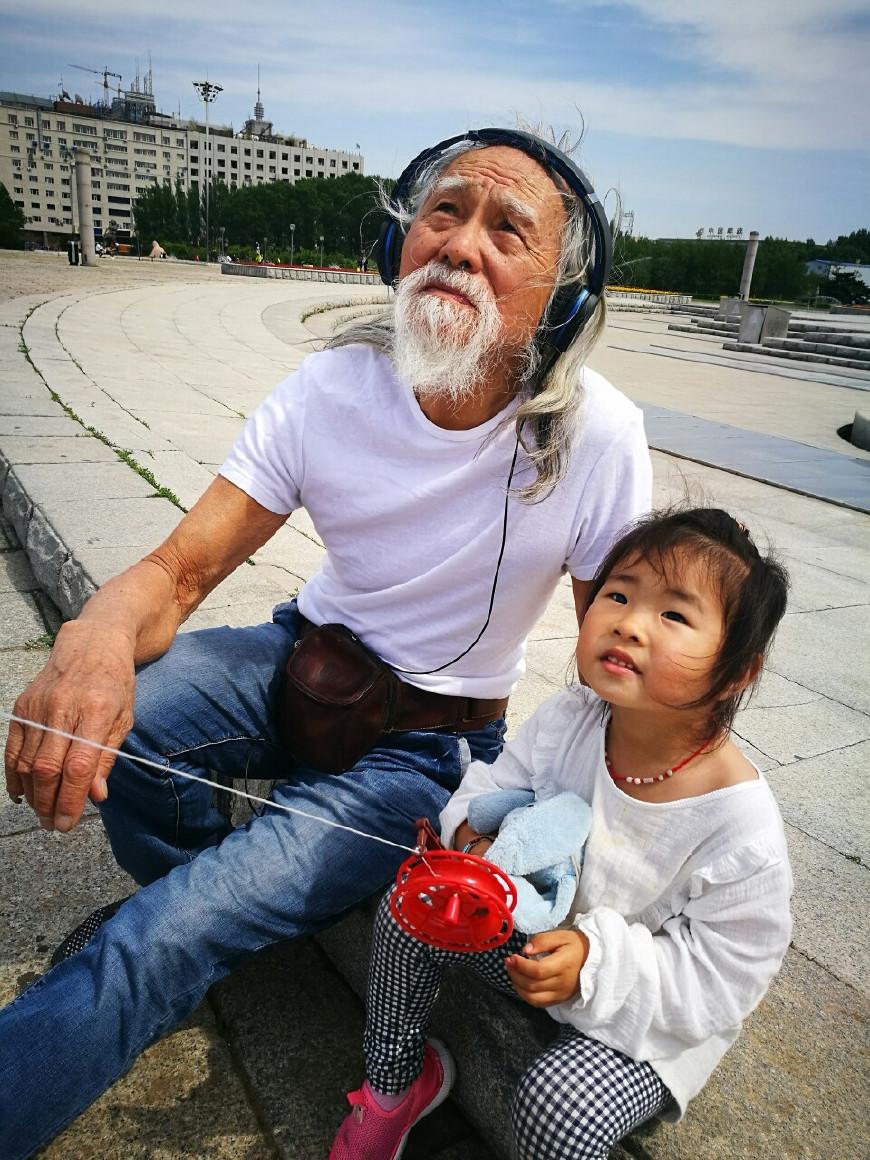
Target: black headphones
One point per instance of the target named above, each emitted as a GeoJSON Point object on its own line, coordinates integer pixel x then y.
{"type": "Point", "coordinates": [572, 305]}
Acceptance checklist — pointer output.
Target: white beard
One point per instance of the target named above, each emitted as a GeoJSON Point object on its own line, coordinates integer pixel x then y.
{"type": "Point", "coordinates": [443, 349]}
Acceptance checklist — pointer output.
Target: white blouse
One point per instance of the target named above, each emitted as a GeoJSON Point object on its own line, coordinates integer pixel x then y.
{"type": "Point", "coordinates": [685, 903]}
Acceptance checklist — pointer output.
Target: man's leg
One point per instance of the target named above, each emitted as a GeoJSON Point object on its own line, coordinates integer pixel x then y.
{"type": "Point", "coordinates": [205, 707]}
{"type": "Point", "coordinates": [78, 1029]}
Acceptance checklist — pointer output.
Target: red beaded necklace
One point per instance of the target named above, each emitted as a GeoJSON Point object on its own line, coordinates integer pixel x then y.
{"type": "Point", "coordinates": [659, 776]}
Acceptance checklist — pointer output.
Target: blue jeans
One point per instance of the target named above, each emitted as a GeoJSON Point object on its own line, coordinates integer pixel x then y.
{"type": "Point", "coordinates": [211, 895]}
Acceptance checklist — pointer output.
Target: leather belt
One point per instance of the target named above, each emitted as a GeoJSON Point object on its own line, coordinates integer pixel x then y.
{"type": "Point", "coordinates": [422, 709]}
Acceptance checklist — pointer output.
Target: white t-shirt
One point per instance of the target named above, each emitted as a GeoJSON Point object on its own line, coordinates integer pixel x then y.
{"type": "Point", "coordinates": [685, 903]}
{"type": "Point", "coordinates": [411, 514]}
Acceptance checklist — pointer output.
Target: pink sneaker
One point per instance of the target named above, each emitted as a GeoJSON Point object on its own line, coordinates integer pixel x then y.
{"type": "Point", "coordinates": [370, 1133]}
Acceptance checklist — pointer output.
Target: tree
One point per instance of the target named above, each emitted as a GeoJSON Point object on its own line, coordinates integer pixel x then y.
{"type": "Point", "coordinates": [781, 270]}
{"type": "Point", "coordinates": [848, 289]}
{"type": "Point", "coordinates": [338, 208]}
{"type": "Point", "coordinates": [11, 222]}
{"type": "Point", "coordinates": [854, 247]}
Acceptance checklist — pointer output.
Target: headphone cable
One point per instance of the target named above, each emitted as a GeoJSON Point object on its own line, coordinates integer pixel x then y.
{"type": "Point", "coordinates": [465, 652]}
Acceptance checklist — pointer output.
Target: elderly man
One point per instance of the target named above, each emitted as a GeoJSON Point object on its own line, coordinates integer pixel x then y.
{"type": "Point", "coordinates": [456, 460]}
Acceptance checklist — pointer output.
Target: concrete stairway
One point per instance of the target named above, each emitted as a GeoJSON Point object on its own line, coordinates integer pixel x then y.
{"type": "Point", "coordinates": [696, 310]}
{"type": "Point", "coordinates": [719, 329]}
{"type": "Point", "coordinates": [806, 341]}
{"type": "Point", "coordinates": [804, 352]}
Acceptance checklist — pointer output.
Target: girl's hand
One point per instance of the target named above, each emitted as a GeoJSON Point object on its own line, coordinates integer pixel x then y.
{"type": "Point", "coordinates": [465, 834]}
{"type": "Point", "coordinates": [554, 978]}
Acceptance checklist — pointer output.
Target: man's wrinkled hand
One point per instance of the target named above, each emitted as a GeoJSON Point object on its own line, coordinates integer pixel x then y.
{"type": "Point", "coordinates": [554, 978]}
{"type": "Point", "coordinates": [86, 688]}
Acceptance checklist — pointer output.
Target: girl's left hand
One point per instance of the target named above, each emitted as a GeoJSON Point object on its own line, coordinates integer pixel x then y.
{"type": "Point", "coordinates": [554, 978]}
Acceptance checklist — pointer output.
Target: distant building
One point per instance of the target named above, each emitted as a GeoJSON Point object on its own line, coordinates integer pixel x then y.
{"type": "Point", "coordinates": [133, 147]}
{"type": "Point", "coordinates": [826, 268]}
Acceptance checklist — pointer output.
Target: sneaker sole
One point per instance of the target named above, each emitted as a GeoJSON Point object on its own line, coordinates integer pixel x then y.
{"type": "Point", "coordinates": [448, 1068]}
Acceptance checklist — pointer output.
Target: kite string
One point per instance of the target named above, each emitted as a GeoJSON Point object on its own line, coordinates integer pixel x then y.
{"type": "Point", "coordinates": [165, 769]}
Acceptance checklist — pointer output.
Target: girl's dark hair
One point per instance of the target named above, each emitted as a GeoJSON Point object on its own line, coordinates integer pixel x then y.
{"type": "Point", "coordinates": [753, 590]}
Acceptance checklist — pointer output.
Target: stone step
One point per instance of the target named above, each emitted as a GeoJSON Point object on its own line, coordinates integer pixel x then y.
{"type": "Point", "coordinates": [637, 307]}
{"type": "Point", "coordinates": [802, 356]}
{"type": "Point", "coordinates": [696, 310]}
{"type": "Point", "coordinates": [858, 353]}
{"type": "Point", "coordinates": [836, 337]}
{"type": "Point", "coordinates": [659, 297]}
{"type": "Point", "coordinates": [719, 329]}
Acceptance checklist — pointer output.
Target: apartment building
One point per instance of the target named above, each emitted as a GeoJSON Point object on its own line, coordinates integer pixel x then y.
{"type": "Point", "coordinates": [132, 147]}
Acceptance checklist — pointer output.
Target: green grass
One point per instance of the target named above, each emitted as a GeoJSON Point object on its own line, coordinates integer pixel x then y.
{"type": "Point", "coordinates": [44, 641]}
{"type": "Point", "coordinates": [148, 476]}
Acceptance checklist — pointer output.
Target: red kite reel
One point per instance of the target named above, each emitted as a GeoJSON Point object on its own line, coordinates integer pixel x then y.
{"type": "Point", "coordinates": [451, 900]}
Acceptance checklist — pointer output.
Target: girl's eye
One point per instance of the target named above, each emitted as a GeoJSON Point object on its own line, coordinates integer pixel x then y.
{"type": "Point", "coordinates": [618, 597]}
{"type": "Point", "coordinates": [677, 616]}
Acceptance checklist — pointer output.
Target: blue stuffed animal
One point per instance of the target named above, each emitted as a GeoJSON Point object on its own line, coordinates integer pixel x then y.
{"type": "Point", "coordinates": [540, 845]}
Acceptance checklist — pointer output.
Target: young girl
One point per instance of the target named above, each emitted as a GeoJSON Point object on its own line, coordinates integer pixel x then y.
{"type": "Point", "coordinates": [681, 916]}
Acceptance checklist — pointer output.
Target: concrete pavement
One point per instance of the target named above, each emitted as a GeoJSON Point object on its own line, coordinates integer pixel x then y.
{"type": "Point", "coordinates": [121, 388]}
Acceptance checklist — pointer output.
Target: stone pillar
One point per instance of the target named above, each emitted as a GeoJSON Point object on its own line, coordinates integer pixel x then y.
{"type": "Point", "coordinates": [748, 265]}
{"type": "Point", "coordinates": [86, 213]}
{"type": "Point", "coordinates": [861, 430]}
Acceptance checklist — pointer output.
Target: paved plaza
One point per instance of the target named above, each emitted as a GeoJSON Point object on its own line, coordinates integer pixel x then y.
{"type": "Point", "coordinates": [122, 387]}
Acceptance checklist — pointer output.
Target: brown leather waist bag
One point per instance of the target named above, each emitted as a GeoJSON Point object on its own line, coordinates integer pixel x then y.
{"type": "Point", "coordinates": [338, 699]}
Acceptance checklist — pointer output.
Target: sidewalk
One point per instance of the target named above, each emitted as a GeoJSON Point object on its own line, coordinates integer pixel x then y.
{"type": "Point", "coordinates": [121, 389]}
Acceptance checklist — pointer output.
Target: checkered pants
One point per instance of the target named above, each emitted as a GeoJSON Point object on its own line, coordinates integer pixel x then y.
{"type": "Point", "coordinates": [576, 1100]}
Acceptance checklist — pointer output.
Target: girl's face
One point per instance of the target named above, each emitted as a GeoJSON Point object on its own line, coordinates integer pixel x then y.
{"type": "Point", "coordinates": [650, 641]}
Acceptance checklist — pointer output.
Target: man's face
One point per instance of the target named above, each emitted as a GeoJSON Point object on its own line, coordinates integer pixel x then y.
{"type": "Point", "coordinates": [496, 214]}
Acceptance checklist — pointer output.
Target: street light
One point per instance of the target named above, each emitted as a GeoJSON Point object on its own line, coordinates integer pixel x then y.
{"type": "Point", "coordinates": [321, 250]}
{"type": "Point", "coordinates": [292, 240]}
{"type": "Point", "coordinates": [208, 91]}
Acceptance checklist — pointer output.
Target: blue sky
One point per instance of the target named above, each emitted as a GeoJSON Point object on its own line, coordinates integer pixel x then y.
{"type": "Point", "coordinates": [752, 113]}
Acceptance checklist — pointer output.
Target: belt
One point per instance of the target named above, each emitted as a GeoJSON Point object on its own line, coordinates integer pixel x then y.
{"type": "Point", "coordinates": [417, 708]}
{"type": "Point", "coordinates": [423, 709]}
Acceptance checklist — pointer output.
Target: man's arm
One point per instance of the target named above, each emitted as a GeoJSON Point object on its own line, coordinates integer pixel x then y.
{"type": "Point", "coordinates": [87, 687]}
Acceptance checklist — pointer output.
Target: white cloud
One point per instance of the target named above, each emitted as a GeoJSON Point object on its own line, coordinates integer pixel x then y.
{"type": "Point", "coordinates": [767, 73]}
{"type": "Point", "coordinates": [808, 56]}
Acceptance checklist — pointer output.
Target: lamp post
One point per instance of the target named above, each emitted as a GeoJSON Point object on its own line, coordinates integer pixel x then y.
{"type": "Point", "coordinates": [321, 251]}
{"type": "Point", "coordinates": [292, 240]}
{"type": "Point", "coordinates": [208, 91]}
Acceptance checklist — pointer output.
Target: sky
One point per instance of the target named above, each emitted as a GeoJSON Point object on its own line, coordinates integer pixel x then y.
{"type": "Point", "coordinates": [698, 113]}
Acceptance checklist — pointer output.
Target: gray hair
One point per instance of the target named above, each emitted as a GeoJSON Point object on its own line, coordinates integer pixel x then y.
{"type": "Point", "coordinates": [548, 415]}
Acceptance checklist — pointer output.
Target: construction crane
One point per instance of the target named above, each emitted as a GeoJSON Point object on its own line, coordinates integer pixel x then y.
{"type": "Point", "coordinates": [105, 74]}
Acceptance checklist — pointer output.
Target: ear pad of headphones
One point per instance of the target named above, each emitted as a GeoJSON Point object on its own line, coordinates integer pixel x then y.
{"type": "Point", "coordinates": [388, 251]}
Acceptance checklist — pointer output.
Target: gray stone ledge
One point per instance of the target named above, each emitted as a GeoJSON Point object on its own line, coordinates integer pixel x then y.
{"type": "Point", "coordinates": [73, 588]}
{"type": "Point", "coordinates": [48, 554]}
{"type": "Point", "coordinates": [39, 426]}
{"type": "Point", "coordinates": [300, 273]}
{"type": "Point", "coordinates": [80, 448]}
{"type": "Point", "coordinates": [17, 506]}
